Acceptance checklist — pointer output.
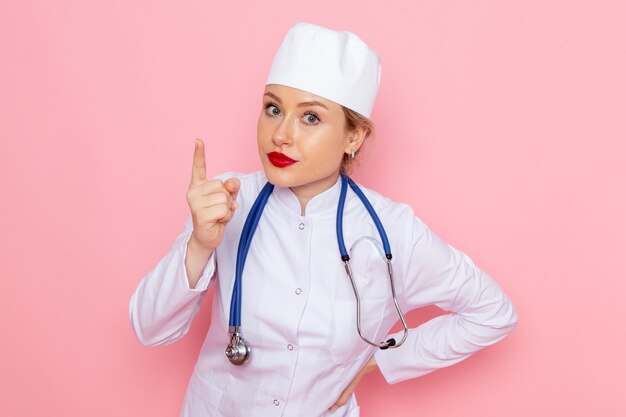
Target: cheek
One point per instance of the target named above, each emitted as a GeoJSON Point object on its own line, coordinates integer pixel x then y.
{"type": "Point", "coordinates": [261, 136]}
{"type": "Point", "coordinates": [325, 148]}
{"type": "Point", "coordinates": [262, 130]}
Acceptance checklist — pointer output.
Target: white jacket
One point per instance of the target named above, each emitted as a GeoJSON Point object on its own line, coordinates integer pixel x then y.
{"type": "Point", "coordinates": [299, 311]}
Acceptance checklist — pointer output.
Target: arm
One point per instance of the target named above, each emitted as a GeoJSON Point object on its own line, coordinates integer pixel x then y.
{"type": "Point", "coordinates": [164, 304]}
{"type": "Point", "coordinates": [480, 313]}
{"type": "Point", "coordinates": [196, 259]}
{"type": "Point", "coordinates": [167, 298]}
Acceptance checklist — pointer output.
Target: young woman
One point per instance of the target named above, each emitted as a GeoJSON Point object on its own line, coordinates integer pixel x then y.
{"type": "Point", "coordinates": [287, 337]}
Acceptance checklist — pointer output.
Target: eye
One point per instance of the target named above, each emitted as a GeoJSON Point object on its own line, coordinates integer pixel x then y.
{"type": "Point", "coordinates": [311, 119]}
{"type": "Point", "coordinates": [271, 109]}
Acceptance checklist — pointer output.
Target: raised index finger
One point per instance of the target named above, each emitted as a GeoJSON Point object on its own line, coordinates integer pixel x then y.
{"type": "Point", "coordinates": [198, 171]}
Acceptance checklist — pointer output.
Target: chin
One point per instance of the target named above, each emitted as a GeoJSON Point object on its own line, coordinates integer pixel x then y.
{"type": "Point", "coordinates": [280, 177]}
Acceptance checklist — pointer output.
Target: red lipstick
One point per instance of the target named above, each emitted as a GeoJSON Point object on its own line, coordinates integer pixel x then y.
{"type": "Point", "coordinates": [280, 160]}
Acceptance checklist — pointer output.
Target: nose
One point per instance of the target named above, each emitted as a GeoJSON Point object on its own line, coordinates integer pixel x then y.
{"type": "Point", "coordinates": [283, 134]}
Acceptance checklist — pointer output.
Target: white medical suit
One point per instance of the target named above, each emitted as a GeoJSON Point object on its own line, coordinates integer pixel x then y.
{"type": "Point", "coordinates": [299, 310]}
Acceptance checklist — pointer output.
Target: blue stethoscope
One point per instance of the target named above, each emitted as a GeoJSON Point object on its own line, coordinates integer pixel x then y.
{"type": "Point", "coordinates": [238, 351]}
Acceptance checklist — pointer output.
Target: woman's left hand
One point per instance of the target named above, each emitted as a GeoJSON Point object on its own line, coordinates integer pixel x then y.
{"type": "Point", "coordinates": [345, 395]}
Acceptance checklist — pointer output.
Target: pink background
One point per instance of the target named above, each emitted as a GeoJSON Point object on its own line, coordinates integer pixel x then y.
{"type": "Point", "coordinates": [500, 122]}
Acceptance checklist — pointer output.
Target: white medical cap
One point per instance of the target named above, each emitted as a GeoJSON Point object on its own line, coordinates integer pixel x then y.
{"type": "Point", "coordinates": [337, 66]}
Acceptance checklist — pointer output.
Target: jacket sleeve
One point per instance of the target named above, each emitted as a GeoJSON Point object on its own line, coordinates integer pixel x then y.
{"type": "Point", "coordinates": [479, 313]}
{"type": "Point", "coordinates": [163, 305]}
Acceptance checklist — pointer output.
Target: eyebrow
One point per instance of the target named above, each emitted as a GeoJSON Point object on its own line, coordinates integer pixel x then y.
{"type": "Point", "coordinates": [303, 104]}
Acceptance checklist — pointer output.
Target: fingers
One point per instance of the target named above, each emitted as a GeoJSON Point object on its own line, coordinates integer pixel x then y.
{"type": "Point", "coordinates": [232, 186]}
{"type": "Point", "coordinates": [198, 171]}
{"type": "Point", "coordinates": [209, 187]}
{"type": "Point", "coordinates": [343, 400]}
{"type": "Point", "coordinates": [219, 213]}
{"type": "Point", "coordinates": [198, 176]}
{"type": "Point", "coordinates": [345, 395]}
{"type": "Point", "coordinates": [203, 193]}
{"type": "Point", "coordinates": [198, 203]}
{"type": "Point", "coordinates": [214, 209]}
{"type": "Point", "coordinates": [214, 200]}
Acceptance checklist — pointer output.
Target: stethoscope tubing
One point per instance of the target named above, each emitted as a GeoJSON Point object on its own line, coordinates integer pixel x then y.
{"type": "Point", "coordinates": [368, 206]}
{"type": "Point", "coordinates": [391, 343]}
{"type": "Point", "coordinates": [238, 351]}
{"type": "Point", "coordinates": [249, 227]}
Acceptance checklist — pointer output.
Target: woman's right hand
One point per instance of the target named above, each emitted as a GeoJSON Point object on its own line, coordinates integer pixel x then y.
{"type": "Point", "coordinates": [212, 203]}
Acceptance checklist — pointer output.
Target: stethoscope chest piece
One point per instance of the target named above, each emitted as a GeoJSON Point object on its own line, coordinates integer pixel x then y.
{"type": "Point", "coordinates": [237, 351]}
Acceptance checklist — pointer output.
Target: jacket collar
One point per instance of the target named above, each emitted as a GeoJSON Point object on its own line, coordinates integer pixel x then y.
{"type": "Point", "coordinates": [323, 204]}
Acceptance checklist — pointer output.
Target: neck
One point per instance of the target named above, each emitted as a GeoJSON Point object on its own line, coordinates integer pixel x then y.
{"type": "Point", "coordinates": [306, 192]}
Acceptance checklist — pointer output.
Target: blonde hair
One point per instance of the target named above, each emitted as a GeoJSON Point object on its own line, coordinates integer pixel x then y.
{"type": "Point", "coordinates": [353, 121]}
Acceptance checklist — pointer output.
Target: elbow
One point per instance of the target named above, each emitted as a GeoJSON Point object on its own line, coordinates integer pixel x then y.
{"type": "Point", "coordinates": [494, 326]}
{"type": "Point", "coordinates": [141, 330]}
{"type": "Point", "coordinates": [501, 313]}
{"type": "Point", "coordinates": [513, 317]}
{"type": "Point", "coordinates": [147, 337]}
{"type": "Point", "coordinates": [510, 316]}
{"type": "Point", "coordinates": [153, 333]}
{"type": "Point", "coordinates": [507, 318]}
{"type": "Point", "coordinates": [142, 337]}
{"type": "Point", "coordinates": [138, 329]}
{"type": "Point", "coordinates": [143, 340]}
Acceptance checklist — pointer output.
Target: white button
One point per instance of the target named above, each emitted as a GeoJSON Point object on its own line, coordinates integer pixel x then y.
{"type": "Point", "coordinates": [301, 226]}
{"type": "Point", "coordinates": [298, 291]}
{"type": "Point", "coordinates": [290, 347]}
{"type": "Point", "coordinates": [276, 403]}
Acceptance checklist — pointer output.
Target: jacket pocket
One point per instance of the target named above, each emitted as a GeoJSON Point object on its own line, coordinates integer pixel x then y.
{"type": "Point", "coordinates": [346, 344]}
{"type": "Point", "coordinates": [201, 398]}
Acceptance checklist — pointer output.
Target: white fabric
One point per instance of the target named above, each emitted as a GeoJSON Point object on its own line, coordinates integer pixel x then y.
{"type": "Point", "coordinates": [296, 293]}
{"type": "Point", "coordinates": [335, 65]}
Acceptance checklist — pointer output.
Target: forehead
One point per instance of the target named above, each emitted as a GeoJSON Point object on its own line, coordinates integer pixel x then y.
{"type": "Point", "coordinates": [296, 96]}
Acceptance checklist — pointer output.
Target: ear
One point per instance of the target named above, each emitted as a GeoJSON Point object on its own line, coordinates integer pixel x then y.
{"type": "Point", "coordinates": [355, 139]}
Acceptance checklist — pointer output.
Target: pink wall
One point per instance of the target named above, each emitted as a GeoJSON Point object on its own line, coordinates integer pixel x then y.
{"type": "Point", "coordinates": [500, 122]}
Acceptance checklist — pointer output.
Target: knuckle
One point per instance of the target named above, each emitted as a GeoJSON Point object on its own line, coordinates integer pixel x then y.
{"type": "Point", "coordinates": [221, 211]}
{"type": "Point", "coordinates": [192, 204]}
{"type": "Point", "coordinates": [212, 187]}
{"type": "Point", "coordinates": [194, 186]}
{"type": "Point", "coordinates": [221, 198]}
{"type": "Point", "coordinates": [216, 182]}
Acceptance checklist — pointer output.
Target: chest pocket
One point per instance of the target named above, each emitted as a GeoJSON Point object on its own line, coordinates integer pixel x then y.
{"type": "Point", "coordinates": [369, 270]}
{"type": "Point", "coordinates": [346, 344]}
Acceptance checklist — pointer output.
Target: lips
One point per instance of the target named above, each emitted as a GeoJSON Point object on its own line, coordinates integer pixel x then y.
{"type": "Point", "coordinates": [280, 160]}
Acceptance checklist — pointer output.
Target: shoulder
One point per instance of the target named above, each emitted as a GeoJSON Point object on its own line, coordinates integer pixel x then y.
{"type": "Point", "coordinates": [385, 207]}
{"type": "Point", "coordinates": [399, 219]}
